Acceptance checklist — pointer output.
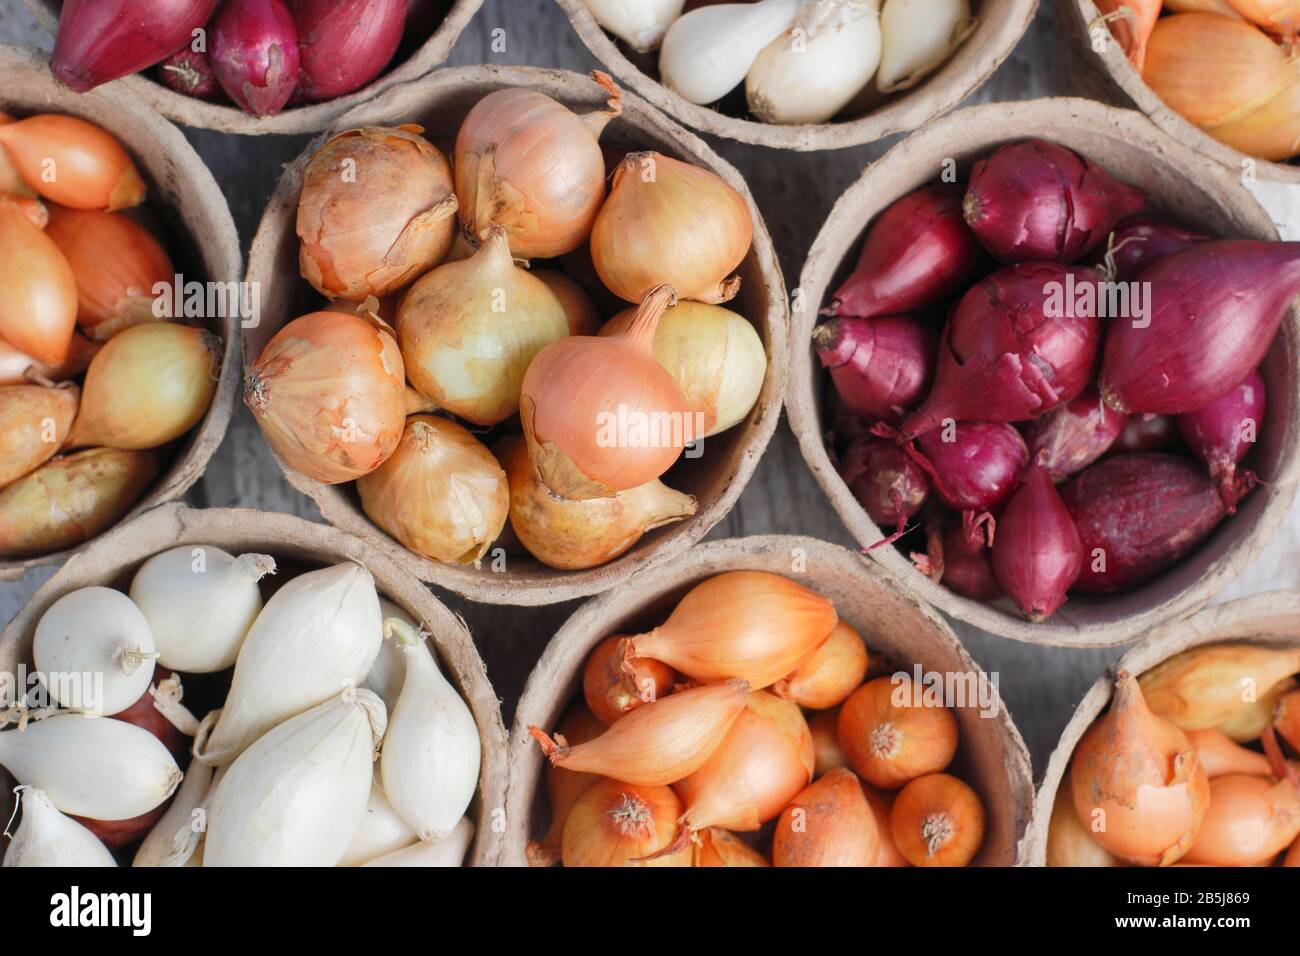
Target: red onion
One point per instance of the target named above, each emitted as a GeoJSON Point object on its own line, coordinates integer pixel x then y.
{"type": "Point", "coordinates": [845, 424]}
{"type": "Point", "coordinates": [1075, 435]}
{"type": "Point", "coordinates": [1214, 308]}
{"type": "Point", "coordinates": [190, 72]}
{"type": "Point", "coordinates": [889, 485]}
{"type": "Point", "coordinates": [967, 565]}
{"type": "Point", "coordinates": [255, 54]}
{"type": "Point", "coordinates": [1003, 358]}
{"type": "Point", "coordinates": [1222, 432]}
{"type": "Point", "coordinates": [345, 43]}
{"type": "Point", "coordinates": [1137, 515]}
{"type": "Point", "coordinates": [918, 252]}
{"type": "Point", "coordinates": [880, 367]}
{"type": "Point", "coordinates": [101, 40]}
{"type": "Point", "coordinates": [976, 472]}
{"type": "Point", "coordinates": [1037, 555]}
{"type": "Point", "coordinates": [1147, 433]}
{"type": "Point", "coordinates": [1136, 244]}
{"type": "Point", "coordinates": [1036, 200]}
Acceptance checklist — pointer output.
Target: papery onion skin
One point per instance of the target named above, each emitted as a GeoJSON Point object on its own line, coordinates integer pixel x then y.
{"type": "Point", "coordinates": [975, 466]}
{"type": "Point", "coordinates": [1131, 24]}
{"type": "Point", "coordinates": [619, 824]}
{"type": "Point", "coordinates": [938, 820]}
{"type": "Point", "coordinates": [34, 423]}
{"type": "Point", "coordinates": [345, 44]}
{"type": "Point", "coordinates": [880, 367]}
{"type": "Point", "coordinates": [1037, 554]}
{"type": "Point", "coordinates": [832, 672]}
{"type": "Point", "coordinates": [829, 823]}
{"type": "Point", "coordinates": [39, 308]}
{"type": "Point", "coordinates": [1136, 243]}
{"type": "Point", "coordinates": [1250, 821]}
{"type": "Point", "coordinates": [605, 689]}
{"type": "Point", "coordinates": [376, 211]}
{"type": "Point", "coordinates": [1221, 755]}
{"type": "Point", "coordinates": [889, 742]}
{"type": "Point", "coordinates": [329, 392]}
{"type": "Point", "coordinates": [190, 72]}
{"type": "Point", "coordinates": [440, 493]}
{"type": "Point", "coordinates": [718, 847]}
{"type": "Point", "coordinates": [255, 54]}
{"type": "Point", "coordinates": [532, 165]}
{"type": "Point", "coordinates": [1202, 687]}
{"type": "Point", "coordinates": [1068, 842]}
{"type": "Point", "coordinates": [71, 499]}
{"type": "Point", "coordinates": [889, 484]}
{"type": "Point", "coordinates": [1221, 433]}
{"type": "Point", "coordinates": [1075, 435]}
{"type": "Point", "coordinates": [564, 787]}
{"type": "Point", "coordinates": [669, 221]}
{"type": "Point", "coordinates": [92, 170]}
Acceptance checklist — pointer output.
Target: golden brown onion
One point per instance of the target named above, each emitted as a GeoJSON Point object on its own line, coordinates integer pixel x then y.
{"type": "Point", "coordinates": [34, 422]}
{"type": "Point", "coordinates": [72, 162]}
{"type": "Point", "coordinates": [38, 305]}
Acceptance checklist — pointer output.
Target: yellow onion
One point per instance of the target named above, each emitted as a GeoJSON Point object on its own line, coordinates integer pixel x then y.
{"type": "Point", "coordinates": [620, 824]}
{"type": "Point", "coordinates": [1253, 719]}
{"type": "Point", "coordinates": [1220, 755]}
{"type": "Point", "coordinates": [564, 787]}
{"type": "Point", "coordinates": [1137, 784]}
{"type": "Point", "coordinates": [329, 393]}
{"type": "Point", "coordinates": [1206, 686]}
{"type": "Point", "coordinates": [834, 671]}
{"type": "Point", "coordinates": [34, 422]}
{"type": "Point", "coordinates": [468, 330]}
{"type": "Point", "coordinates": [441, 493]}
{"type": "Point", "coordinates": [1250, 821]}
{"type": "Point", "coordinates": [19, 368]}
{"type": "Point", "coordinates": [892, 735]}
{"type": "Point", "coordinates": [601, 415]}
{"type": "Point", "coordinates": [38, 306]}
{"type": "Point", "coordinates": [714, 354]}
{"type": "Point", "coordinates": [718, 847]}
{"type": "Point", "coordinates": [578, 307]}
{"type": "Point", "coordinates": [532, 165]}
{"type": "Point", "coordinates": [571, 534]}
{"type": "Point", "coordinates": [70, 499]}
{"type": "Point", "coordinates": [148, 385]}
{"type": "Point", "coordinates": [72, 162]}
{"type": "Point", "coordinates": [1276, 16]}
{"type": "Point", "coordinates": [375, 212]}
{"type": "Point", "coordinates": [1271, 132]}
{"type": "Point", "coordinates": [1068, 841]}
{"type": "Point", "coordinates": [11, 183]}
{"type": "Point", "coordinates": [669, 221]}
{"type": "Point", "coordinates": [829, 823]}
{"type": "Point", "coordinates": [116, 264]}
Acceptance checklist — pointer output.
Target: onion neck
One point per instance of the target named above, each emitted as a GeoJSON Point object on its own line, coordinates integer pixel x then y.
{"type": "Point", "coordinates": [597, 120]}
{"type": "Point", "coordinates": [640, 331]}
{"type": "Point", "coordinates": [254, 566]}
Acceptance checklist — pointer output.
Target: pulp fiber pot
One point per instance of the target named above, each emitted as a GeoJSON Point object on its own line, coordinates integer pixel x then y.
{"type": "Point", "coordinates": [298, 546]}
{"type": "Point", "coordinates": [999, 26]}
{"type": "Point", "coordinates": [991, 757]}
{"type": "Point", "coordinates": [199, 235]}
{"type": "Point", "coordinates": [1191, 189]}
{"type": "Point", "coordinates": [1272, 619]}
{"type": "Point", "coordinates": [716, 478]}
{"type": "Point", "coordinates": [408, 64]}
{"type": "Point", "coordinates": [1099, 69]}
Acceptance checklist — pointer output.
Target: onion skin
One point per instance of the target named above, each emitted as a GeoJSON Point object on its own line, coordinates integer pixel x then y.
{"type": "Point", "coordinates": [937, 820]}
{"type": "Point", "coordinates": [1038, 201]}
{"type": "Point", "coordinates": [1214, 309]}
{"type": "Point", "coordinates": [620, 824]}
{"type": "Point", "coordinates": [834, 671]}
{"type": "Point", "coordinates": [1250, 821]}
{"type": "Point", "coordinates": [718, 847]}
{"type": "Point", "coordinates": [1068, 842]}
{"type": "Point", "coordinates": [829, 823]}
{"type": "Point", "coordinates": [93, 171]}
{"type": "Point", "coordinates": [1136, 243]}
{"type": "Point", "coordinates": [390, 224]}
{"type": "Point", "coordinates": [1221, 433]}
{"type": "Point", "coordinates": [322, 373]}
{"type": "Point", "coordinates": [1075, 435]}
{"type": "Point", "coordinates": [889, 484]}
{"type": "Point", "coordinates": [1202, 687]}
{"type": "Point", "coordinates": [888, 743]}
{"type": "Point", "coordinates": [978, 469]}
{"type": "Point", "coordinates": [345, 44]}
{"type": "Point", "coordinates": [255, 54]}
{"type": "Point", "coordinates": [1037, 554]}
{"type": "Point", "coordinates": [12, 185]}
{"type": "Point", "coordinates": [38, 310]}
{"type": "Point", "coordinates": [17, 368]}
{"type": "Point", "coordinates": [71, 499]}
{"type": "Point", "coordinates": [880, 367]}
{"type": "Point", "coordinates": [1145, 512]}
{"type": "Point", "coordinates": [917, 253]}
{"type": "Point", "coordinates": [1253, 720]}
{"type": "Point", "coordinates": [1221, 755]}
{"type": "Point", "coordinates": [34, 422]}
{"type": "Point", "coordinates": [564, 787]}
{"type": "Point", "coordinates": [604, 687]}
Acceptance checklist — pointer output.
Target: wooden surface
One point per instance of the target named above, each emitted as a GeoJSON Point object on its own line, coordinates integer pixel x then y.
{"type": "Point", "coordinates": [795, 191]}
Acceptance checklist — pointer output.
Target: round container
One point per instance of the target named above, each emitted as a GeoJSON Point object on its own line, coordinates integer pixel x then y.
{"type": "Point", "coordinates": [227, 118]}
{"type": "Point", "coordinates": [991, 757]}
{"type": "Point", "coordinates": [201, 241]}
{"type": "Point", "coordinates": [1000, 25]}
{"type": "Point", "coordinates": [1197, 191]}
{"type": "Point", "coordinates": [716, 479]}
{"type": "Point", "coordinates": [1272, 618]}
{"type": "Point", "coordinates": [298, 546]}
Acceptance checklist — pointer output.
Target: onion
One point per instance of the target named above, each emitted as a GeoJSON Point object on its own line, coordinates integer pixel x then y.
{"type": "Point", "coordinates": [669, 221]}
{"type": "Point", "coordinates": [33, 210]}
{"type": "Point", "coordinates": [92, 170]}
{"type": "Point", "coordinates": [533, 166]}
{"type": "Point", "coordinates": [255, 54]}
{"type": "Point", "coordinates": [1220, 754]}
{"type": "Point", "coordinates": [1068, 842]}
{"type": "Point", "coordinates": [824, 727]}
{"type": "Point", "coordinates": [34, 422]}
{"type": "Point", "coordinates": [1131, 22]}
{"type": "Point", "coordinates": [1221, 433]}
{"type": "Point", "coordinates": [604, 684]}
{"type": "Point", "coordinates": [829, 823]}
{"type": "Point", "coordinates": [1215, 307]}
{"type": "Point", "coordinates": [1252, 720]}
{"type": "Point", "coordinates": [468, 331]}
{"type": "Point", "coordinates": [889, 484]}
{"type": "Point", "coordinates": [1286, 718]}
{"type": "Point", "coordinates": [388, 670]}
{"type": "Point", "coordinates": [619, 824]}
{"type": "Point", "coordinates": [882, 808]}
{"type": "Point", "coordinates": [329, 392]}
{"type": "Point", "coordinates": [707, 51]}
{"type": "Point", "coordinates": [375, 212]}
{"type": "Point", "coordinates": [974, 467]}
{"type": "Point", "coordinates": [1136, 243]}
{"type": "Point", "coordinates": [157, 708]}
{"type": "Point", "coordinates": [580, 311]}
{"type": "Point", "coordinates": [1037, 555]}
{"type": "Point", "coordinates": [1038, 201]}
{"type": "Point", "coordinates": [19, 368]}
{"type": "Point", "coordinates": [1250, 821]}
{"type": "Point", "coordinates": [564, 787]}
{"type": "Point", "coordinates": [1075, 435]}
{"type": "Point", "coordinates": [45, 837]}
{"type": "Point", "coordinates": [832, 673]}
{"type": "Point", "coordinates": [382, 831]}
{"type": "Point", "coordinates": [937, 820]}
{"type": "Point", "coordinates": [716, 847]}
{"type": "Point", "coordinates": [12, 185]}
{"type": "Point", "coordinates": [449, 851]}
{"type": "Point", "coordinates": [918, 37]}
{"type": "Point", "coordinates": [890, 736]}
{"type": "Point", "coordinates": [1202, 687]}
{"type": "Point", "coordinates": [1147, 432]}
{"type": "Point", "coordinates": [880, 367]}
{"type": "Point", "coordinates": [965, 564]}
{"type": "Point", "coordinates": [638, 23]}
{"type": "Point", "coordinates": [39, 308]}
{"type": "Point", "coordinates": [190, 72]}
{"type": "Point", "coordinates": [148, 385]}
{"type": "Point", "coordinates": [345, 43]}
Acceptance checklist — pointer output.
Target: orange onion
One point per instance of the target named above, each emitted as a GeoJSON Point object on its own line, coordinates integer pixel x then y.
{"type": "Point", "coordinates": [532, 165]}
{"type": "Point", "coordinates": [1221, 755]}
{"type": "Point", "coordinates": [621, 824]}
{"type": "Point", "coordinates": [35, 211]}
{"type": "Point", "coordinates": [1203, 687]}
{"type": "Point", "coordinates": [71, 499]}
{"type": "Point", "coordinates": [116, 264]}
{"type": "Point", "coordinates": [329, 393]}
{"type": "Point", "coordinates": [666, 221]}
{"type": "Point", "coordinates": [376, 211]}
{"type": "Point", "coordinates": [440, 493]}
{"type": "Point", "coordinates": [718, 847]}
{"type": "Point", "coordinates": [891, 735]}
{"type": "Point", "coordinates": [579, 310]}
{"type": "Point", "coordinates": [1131, 23]}
{"type": "Point", "coordinates": [751, 625]}
{"type": "Point", "coordinates": [34, 422]}
{"type": "Point", "coordinates": [833, 671]}
{"type": "Point", "coordinates": [882, 807]}
{"type": "Point", "coordinates": [38, 309]}
{"type": "Point", "coordinates": [19, 368]}
{"type": "Point", "coordinates": [1137, 783]}
{"type": "Point", "coordinates": [659, 743]}
{"type": "Point", "coordinates": [1068, 842]}
{"type": "Point", "coordinates": [1250, 821]}
{"type": "Point", "coordinates": [1286, 718]}
{"type": "Point", "coordinates": [825, 729]}
{"type": "Point", "coordinates": [469, 329]}
{"type": "Point", "coordinates": [937, 820]}
{"type": "Point", "coordinates": [72, 162]}
{"type": "Point", "coordinates": [564, 787]}
{"type": "Point", "coordinates": [604, 685]}
{"type": "Point", "coordinates": [829, 823]}
{"type": "Point", "coordinates": [601, 415]}
{"type": "Point", "coordinates": [12, 185]}
{"type": "Point", "coordinates": [1276, 16]}
{"type": "Point", "coordinates": [571, 534]}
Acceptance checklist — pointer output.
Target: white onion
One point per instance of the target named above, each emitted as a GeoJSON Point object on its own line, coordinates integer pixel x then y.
{"type": "Point", "coordinates": [200, 602]}
{"type": "Point", "coordinates": [449, 851]}
{"type": "Point", "coordinates": [389, 669]}
{"type": "Point", "coordinates": [45, 837]}
{"type": "Point", "coordinates": [175, 837]}
{"type": "Point", "coordinates": [639, 23]}
{"type": "Point", "coordinates": [298, 794]}
{"type": "Point", "coordinates": [93, 767]}
{"type": "Point", "coordinates": [707, 52]}
{"type": "Point", "coordinates": [917, 37]}
{"type": "Point", "coordinates": [382, 831]}
{"type": "Point", "coordinates": [89, 634]}
{"type": "Point", "coordinates": [316, 636]}
{"type": "Point", "coordinates": [430, 760]}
